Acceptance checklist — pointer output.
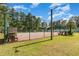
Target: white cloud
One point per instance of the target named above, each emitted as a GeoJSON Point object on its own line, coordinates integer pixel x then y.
{"type": "Point", "coordinates": [39, 16]}
{"type": "Point", "coordinates": [66, 8]}
{"type": "Point", "coordinates": [55, 5]}
{"type": "Point", "coordinates": [49, 17]}
{"type": "Point", "coordinates": [20, 7]}
{"type": "Point", "coordinates": [59, 8]}
{"type": "Point", "coordinates": [61, 11]}
{"type": "Point", "coordinates": [65, 18]}
{"type": "Point", "coordinates": [63, 8]}
{"type": "Point", "coordinates": [58, 14]}
{"type": "Point", "coordinates": [34, 5]}
{"type": "Point", "coordinates": [68, 17]}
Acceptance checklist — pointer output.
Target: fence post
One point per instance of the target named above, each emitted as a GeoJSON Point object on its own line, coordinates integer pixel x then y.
{"type": "Point", "coordinates": [5, 28]}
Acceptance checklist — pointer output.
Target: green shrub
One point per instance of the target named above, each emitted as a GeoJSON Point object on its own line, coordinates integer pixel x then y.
{"type": "Point", "coordinates": [70, 33]}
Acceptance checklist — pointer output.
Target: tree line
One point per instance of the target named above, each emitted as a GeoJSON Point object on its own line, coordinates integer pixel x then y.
{"type": "Point", "coordinates": [28, 22]}
{"type": "Point", "coordinates": [23, 22]}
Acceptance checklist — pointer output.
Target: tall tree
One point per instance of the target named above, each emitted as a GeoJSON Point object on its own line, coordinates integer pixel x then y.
{"type": "Point", "coordinates": [3, 14]}
{"type": "Point", "coordinates": [71, 25]}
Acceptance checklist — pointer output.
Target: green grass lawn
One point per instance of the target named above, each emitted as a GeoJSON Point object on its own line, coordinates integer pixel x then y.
{"type": "Point", "coordinates": [59, 46]}
{"type": "Point", "coordinates": [1, 35]}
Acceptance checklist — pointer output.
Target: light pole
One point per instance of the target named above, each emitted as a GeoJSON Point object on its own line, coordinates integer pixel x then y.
{"type": "Point", "coordinates": [29, 29]}
{"type": "Point", "coordinates": [52, 28]}
{"type": "Point", "coordinates": [51, 23]}
{"type": "Point", "coordinates": [30, 22]}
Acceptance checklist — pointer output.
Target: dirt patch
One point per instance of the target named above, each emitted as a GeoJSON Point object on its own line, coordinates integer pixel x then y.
{"type": "Point", "coordinates": [34, 35]}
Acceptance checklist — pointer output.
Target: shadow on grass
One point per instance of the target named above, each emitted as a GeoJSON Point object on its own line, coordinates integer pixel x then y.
{"type": "Point", "coordinates": [28, 45]}
{"type": "Point", "coordinates": [1, 41]}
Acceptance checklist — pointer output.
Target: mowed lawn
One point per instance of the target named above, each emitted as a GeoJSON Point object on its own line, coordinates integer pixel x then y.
{"type": "Point", "coordinates": [59, 46]}
{"type": "Point", "coordinates": [1, 35]}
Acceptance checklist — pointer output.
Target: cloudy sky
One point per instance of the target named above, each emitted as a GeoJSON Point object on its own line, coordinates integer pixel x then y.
{"type": "Point", "coordinates": [60, 11]}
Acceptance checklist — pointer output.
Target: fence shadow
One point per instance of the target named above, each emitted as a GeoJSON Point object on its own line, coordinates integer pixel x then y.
{"type": "Point", "coordinates": [1, 41]}
{"type": "Point", "coordinates": [15, 48]}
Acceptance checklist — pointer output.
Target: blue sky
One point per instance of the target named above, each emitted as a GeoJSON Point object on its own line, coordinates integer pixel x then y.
{"type": "Point", "coordinates": [61, 10]}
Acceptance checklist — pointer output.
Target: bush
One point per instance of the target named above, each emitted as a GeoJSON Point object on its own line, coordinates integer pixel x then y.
{"type": "Point", "coordinates": [70, 32]}
{"type": "Point", "coordinates": [65, 33]}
